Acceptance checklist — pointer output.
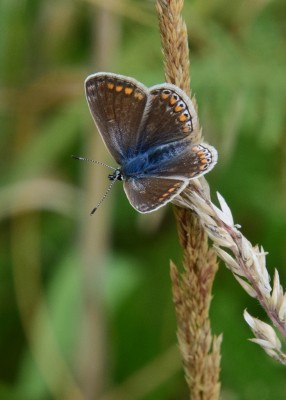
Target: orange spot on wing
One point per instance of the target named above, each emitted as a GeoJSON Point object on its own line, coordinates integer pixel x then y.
{"type": "Point", "coordinates": [183, 118]}
{"type": "Point", "coordinates": [128, 90]}
{"type": "Point", "coordinates": [138, 95]}
{"type": "Point", "coordinates": [173, 100]}
{"type": "Point", "coordinates": [178, 108]}
{"type": "Point", "coordinates": [118, 88]}
{"type": "Point", "coordinates": [164, 96]}
{"type": "Point", "coordinates": [171, 189]}
{"type": "Point", "coordinates": [110, 85]}
{"type": "Point", "coordinates": [185, 128]}
{"type": "Point", "coordinates": [195, 148]}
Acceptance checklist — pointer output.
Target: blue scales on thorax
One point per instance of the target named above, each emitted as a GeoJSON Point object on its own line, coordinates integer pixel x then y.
{"type": "Point", "coordinates": [152, 160]}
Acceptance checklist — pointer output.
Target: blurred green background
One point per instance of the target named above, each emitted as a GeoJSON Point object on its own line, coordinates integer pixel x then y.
{"type": "Point", "coordinates": [85, 302]}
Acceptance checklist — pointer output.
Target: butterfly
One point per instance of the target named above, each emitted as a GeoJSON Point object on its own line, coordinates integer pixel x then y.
{"type": "Point", "coordinates": [150, 133]}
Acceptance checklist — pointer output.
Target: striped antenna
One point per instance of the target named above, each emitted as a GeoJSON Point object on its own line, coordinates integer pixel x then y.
{"type": "Point", "coordinates": [93, 161]}
{"type": "Point", "coordinates": [103, 197]}
{"type": "Point", "coordinates": [113, 177]}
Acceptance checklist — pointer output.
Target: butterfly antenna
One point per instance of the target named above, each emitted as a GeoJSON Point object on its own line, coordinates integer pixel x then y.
{"type": "Point", "coordinates": [93, 161]}
{"type": "Point", "coordinates": [104, 196]}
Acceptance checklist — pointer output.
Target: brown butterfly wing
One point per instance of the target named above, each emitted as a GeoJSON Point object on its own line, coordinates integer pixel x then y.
{"type": "Point", "coordinates": [149, 194]}
{"type": "Point", "coordinates": [117, 105]}
{"type": "Point", "coordinates": [170, 116]}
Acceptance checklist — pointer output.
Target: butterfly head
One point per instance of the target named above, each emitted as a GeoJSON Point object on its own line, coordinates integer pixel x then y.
{"type": "Point", "coordinates": [116, 176]}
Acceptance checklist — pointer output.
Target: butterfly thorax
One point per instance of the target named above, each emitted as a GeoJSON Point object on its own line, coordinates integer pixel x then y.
{"type": "Point", "coordinates": [151, 161]}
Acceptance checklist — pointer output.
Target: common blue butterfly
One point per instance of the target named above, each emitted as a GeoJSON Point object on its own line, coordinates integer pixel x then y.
{"type": "Point", "coordinates": [150, 133]}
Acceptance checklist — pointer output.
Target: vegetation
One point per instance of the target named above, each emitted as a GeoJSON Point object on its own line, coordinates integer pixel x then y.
{"type": "Point", "coordinates": [86, 308]}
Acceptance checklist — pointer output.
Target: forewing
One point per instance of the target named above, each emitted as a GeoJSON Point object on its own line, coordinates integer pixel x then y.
{"type": "Point", "coordinates": [117, 105]}
{"type": "Point", "coordinates": [170, 116]}
{"type": "Point", "coordinates": [149, 194]}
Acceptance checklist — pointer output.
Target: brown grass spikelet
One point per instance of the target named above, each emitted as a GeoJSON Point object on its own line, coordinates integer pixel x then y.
{"type": "Point", "coordinates": [192, 297]}
{"type": "Point", "coordinates": [191, 289]}
{"type": "Point", "coordinates": [175, 46]}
